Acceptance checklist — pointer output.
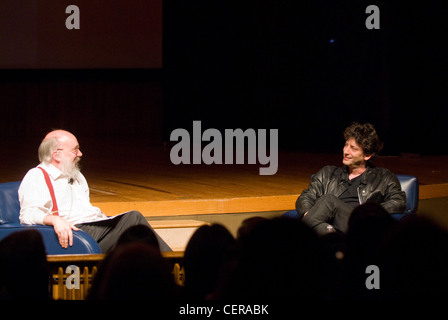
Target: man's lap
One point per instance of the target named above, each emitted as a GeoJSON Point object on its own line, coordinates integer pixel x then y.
{"type": "Point", "coordinates": [107, 231]}
{"type": "Point", "coordinates": [328, 210]}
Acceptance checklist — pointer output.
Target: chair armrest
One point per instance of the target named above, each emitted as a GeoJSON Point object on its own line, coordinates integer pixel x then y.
{"type": "Point", "coordinates": [83, 243]}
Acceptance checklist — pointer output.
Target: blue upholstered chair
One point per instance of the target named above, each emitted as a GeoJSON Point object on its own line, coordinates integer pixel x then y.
{"type": "Point", "coordinates": [83, 243]}
{"type": "Point", "coordinates": [409, 184]}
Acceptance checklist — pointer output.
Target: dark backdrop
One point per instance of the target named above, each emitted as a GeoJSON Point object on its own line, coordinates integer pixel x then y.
{"type": "Point", "coordinates": [309, 68]}
{"type": "Point", "coordinates": [306, 68]}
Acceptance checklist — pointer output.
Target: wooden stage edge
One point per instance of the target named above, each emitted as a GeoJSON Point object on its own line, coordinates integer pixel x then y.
{"type": "Point", "coordinates": [231, 205]}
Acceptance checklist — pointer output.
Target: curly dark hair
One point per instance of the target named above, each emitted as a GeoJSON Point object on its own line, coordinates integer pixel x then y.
{"type": "Point", "coordinates": [366, 137]}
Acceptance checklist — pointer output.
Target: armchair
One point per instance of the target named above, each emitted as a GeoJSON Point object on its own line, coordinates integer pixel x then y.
{"type": "Point", "coordinates": [409, 184]}
{"type": "Point", "coordinates": [83, 243]}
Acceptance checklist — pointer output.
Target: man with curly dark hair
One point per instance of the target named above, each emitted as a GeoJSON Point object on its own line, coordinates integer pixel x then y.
{"type": "Point", "coordinates": [334, 192]}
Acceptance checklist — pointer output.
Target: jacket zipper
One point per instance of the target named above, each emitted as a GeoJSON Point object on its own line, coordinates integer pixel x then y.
{"type": "Point", "coordinates": [359, 195]}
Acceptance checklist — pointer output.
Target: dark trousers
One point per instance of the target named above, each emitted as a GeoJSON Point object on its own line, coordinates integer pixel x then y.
{"type": "Point", "coordinates": [107, 232]}
{"type": "Point", "coordinates": [328, 210]}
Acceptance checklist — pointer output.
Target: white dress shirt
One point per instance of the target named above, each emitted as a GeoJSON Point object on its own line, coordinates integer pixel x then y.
{"type": "Point", "coordinates": [73, 200]}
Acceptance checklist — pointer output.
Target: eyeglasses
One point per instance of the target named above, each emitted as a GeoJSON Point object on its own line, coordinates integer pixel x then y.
{"type": "Point", "coordinates": [75, 150]}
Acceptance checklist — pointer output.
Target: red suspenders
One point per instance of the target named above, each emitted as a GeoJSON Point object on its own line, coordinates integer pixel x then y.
{"type": "Point", "coordinates": [50, 187]}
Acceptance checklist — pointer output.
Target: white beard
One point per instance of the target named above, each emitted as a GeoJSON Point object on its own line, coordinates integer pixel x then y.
{"type": "Point", "coordinates": [70, 169]}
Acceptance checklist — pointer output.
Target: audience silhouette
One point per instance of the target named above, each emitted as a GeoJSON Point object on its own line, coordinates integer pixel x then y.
{"type": "Point", "coordinates": [414, 260]}
{"type": "Point", "coordinates": [134, 271]}
{"type": "Point", "coordinates": [24, 270]}
{"type": "Point", "coordinates": [276, 258]}
{"type": "Point", "coordinates": [269, 258]}
{"type": "Point", "coordinates": [139, 233]}
{"type": "Point", "coordinates": [203, 258]}
{"type": "Point", "coordinates": [139, 242]}
{"type": "Point", "coordinates": [368, 227]}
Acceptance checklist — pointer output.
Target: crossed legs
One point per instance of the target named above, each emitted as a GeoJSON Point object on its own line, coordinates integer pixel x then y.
{"type": "Point", "coordinates": [328, 210]}
{"type": "Point", "coordinates": [107, 232]}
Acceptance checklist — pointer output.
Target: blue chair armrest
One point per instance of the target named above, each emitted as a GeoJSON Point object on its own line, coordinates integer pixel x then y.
{"type": "Point", "coordinates": [83, 243]}
{"type": "Point", "coordinates": [294, 214]}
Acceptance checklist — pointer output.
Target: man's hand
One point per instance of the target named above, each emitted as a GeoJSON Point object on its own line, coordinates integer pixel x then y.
{"type": "Point", "coordinates": [62, 228]}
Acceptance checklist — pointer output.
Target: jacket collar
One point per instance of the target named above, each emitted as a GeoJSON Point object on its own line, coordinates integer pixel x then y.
{"type": "Point", "coordinates": [344, 174]}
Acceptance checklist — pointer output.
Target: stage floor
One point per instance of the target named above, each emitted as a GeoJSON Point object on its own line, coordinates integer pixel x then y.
{"type": "Point", "coordinates": [129, 174]}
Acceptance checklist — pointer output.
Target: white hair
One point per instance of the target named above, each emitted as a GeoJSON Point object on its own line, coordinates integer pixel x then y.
{"type": "Point", "coordinates": [46, 149]}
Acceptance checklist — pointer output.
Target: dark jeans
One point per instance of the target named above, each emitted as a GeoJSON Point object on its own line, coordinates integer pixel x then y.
{"type": "Point", "coordinates": [107, 232]}
{"type": "Point", "coordinates": [328, 210]}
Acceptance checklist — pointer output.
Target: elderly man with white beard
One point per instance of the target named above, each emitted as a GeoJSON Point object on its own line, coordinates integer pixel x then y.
{"type": "Point", "coordinates": [56, 193]}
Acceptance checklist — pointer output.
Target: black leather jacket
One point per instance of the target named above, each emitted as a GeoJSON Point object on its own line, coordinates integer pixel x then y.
{"type": "Point", "coordinates": [377, 185]}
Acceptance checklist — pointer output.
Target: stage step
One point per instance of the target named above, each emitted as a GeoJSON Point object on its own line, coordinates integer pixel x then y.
{"type": "Point", "coordinates": [176, 233]}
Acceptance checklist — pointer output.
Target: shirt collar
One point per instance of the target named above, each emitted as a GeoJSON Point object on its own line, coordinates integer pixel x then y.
{"type": "Point", "coordinates": [52, 171]}
{"type": "Point", "coordinates": [345, 174]}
